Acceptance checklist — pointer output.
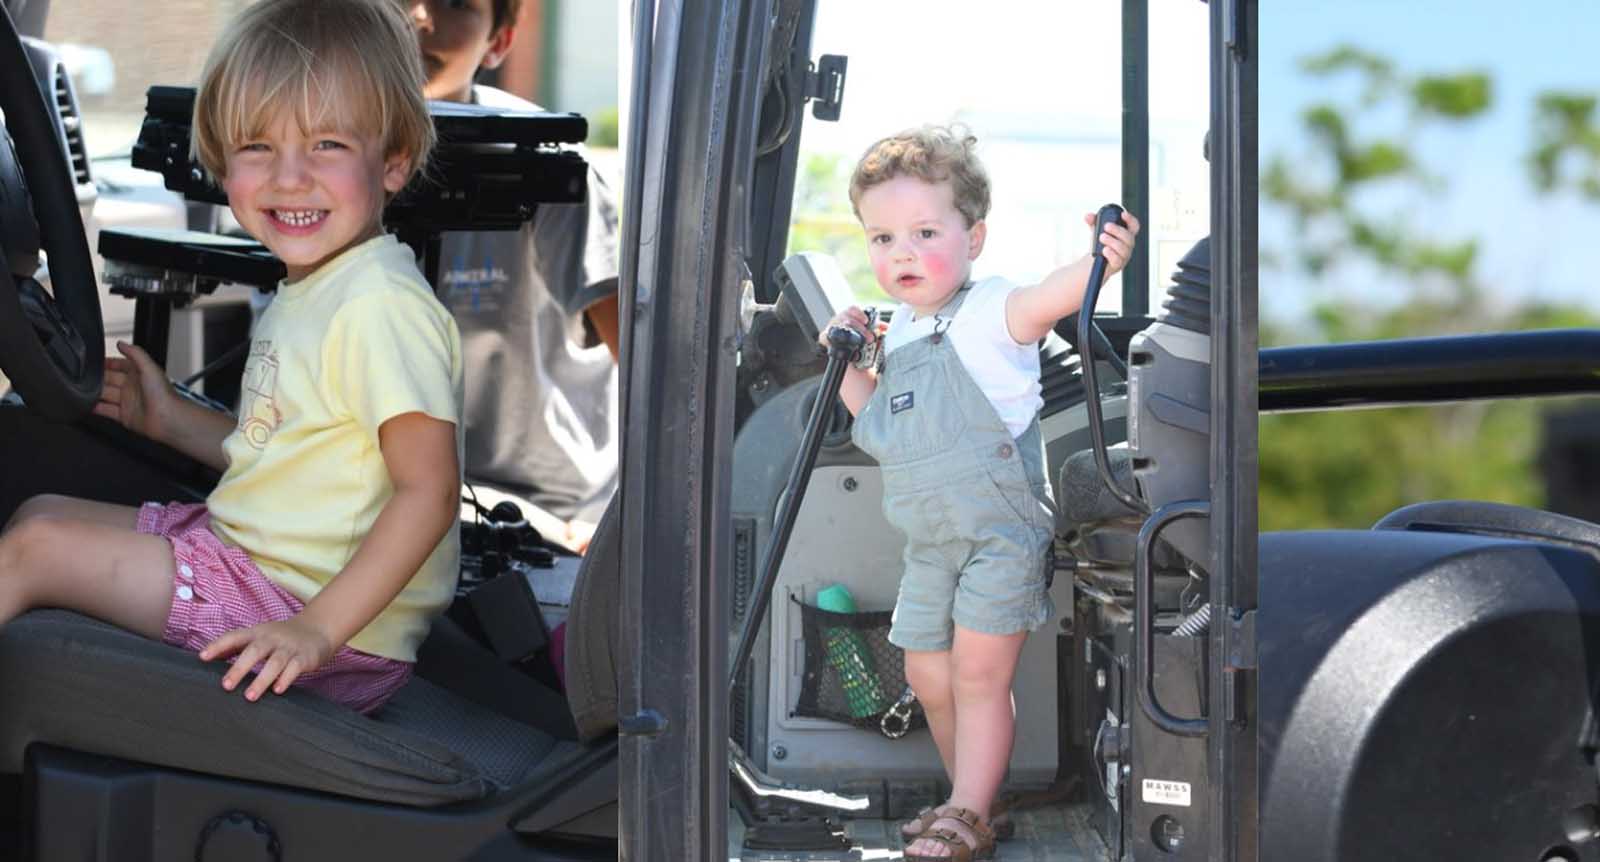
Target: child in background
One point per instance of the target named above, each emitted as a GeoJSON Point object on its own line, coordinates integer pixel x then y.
{"type": "Point", "coordinates": [952, 417]}
{"type": "Point", "coordinates": [537, 306]}
{"type": "Point", "coordinates": [329, 544]}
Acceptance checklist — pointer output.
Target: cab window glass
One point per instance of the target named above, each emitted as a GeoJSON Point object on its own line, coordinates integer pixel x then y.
{"type": "Point", "coordinates": [1040, 86]}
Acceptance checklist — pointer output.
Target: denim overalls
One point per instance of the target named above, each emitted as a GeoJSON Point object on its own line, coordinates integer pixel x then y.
{"type": "Point", "coordinates": [973, 503]}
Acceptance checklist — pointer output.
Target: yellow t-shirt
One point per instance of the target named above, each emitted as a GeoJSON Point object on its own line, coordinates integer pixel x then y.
{"type": "Point", "coordinates": [357, 342]}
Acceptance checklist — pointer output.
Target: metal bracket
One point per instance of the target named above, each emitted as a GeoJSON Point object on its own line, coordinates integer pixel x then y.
{"type": "Point", "coordinates": [1241, 666]}
{"type": "Point", "coordinates": [646, 722]}
{"type": "Point", "coordinates": [897, 719]}
{"type": "Point", "coordinates": [1234, 12]}
{"type": "Point", "coordinates": [1242, 640]}
{"type": "Point", "coordinates": [825, 86]}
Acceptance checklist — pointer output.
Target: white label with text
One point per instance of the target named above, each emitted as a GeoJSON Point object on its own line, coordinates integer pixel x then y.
{"type": "Point", "coordinates": [1166, 792]}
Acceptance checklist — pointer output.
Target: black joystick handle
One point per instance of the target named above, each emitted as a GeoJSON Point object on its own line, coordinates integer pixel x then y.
{"type": "Point", "coordinates": [844, 341]}
{"type": "Point", "coordinates": [1108, 214]}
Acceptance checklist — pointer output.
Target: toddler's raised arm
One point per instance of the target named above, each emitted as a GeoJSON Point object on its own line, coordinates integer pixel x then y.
{"type": "Point", "coordinates": [1031, 312]}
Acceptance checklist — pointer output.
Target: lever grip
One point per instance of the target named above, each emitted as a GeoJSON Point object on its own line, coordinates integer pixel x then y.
{"type": "Point", "coordinates": [845, 338]}
{"type": "Point", "coordinates": [1107, 214]}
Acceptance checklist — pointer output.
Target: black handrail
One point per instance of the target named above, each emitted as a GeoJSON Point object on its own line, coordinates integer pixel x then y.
{"type": "Point", "coordinates": [1144, 588]}
{"type": "Point", "coordinates": [1429, 370]}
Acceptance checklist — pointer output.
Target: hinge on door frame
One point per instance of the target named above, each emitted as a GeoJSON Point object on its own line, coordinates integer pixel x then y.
{"type": "Point", "coordinates": [825, 86]}
{"type": "Point", "coordinates": [1241, 666]}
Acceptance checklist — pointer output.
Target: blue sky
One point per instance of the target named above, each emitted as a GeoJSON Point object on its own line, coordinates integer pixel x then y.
{"type": "Point", "coordinates": [1532, 246]}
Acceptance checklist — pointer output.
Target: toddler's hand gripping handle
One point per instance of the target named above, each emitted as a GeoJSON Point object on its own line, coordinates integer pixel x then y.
{"type": "Point", "coordinates": [1108, 214]}
{"type": "Point", "coordinates": [844, 341]}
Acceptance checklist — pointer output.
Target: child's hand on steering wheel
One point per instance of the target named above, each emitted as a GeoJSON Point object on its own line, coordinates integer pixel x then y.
{"type": "Point", "coordinates": [137, 393]}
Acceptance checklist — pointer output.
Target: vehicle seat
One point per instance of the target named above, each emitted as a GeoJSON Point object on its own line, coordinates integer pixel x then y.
{"type": "Point", "coordinates": [1098, 526]}
{"type": "Point", "coordinates": [593, 626]}
{"type": "Point", "coordinates": [77, 683]}
{"type": "Point", "coordinates": [80, 684]}
{"type": "Point", "coordinates": [1082, 498]}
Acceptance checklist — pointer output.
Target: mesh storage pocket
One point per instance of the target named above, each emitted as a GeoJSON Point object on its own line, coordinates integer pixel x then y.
{"type": "Point", "coordinates": [852, 674]}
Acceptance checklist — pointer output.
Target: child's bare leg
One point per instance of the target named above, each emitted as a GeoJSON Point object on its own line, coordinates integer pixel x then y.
{"type": "Point", "coordinates": [95, 566]}
{"type": "Point", "coordinates": [981, 670]}
{"type": "Point", "coordinates": [928, 674]}
{"type": "Point", "coordinates": [76, 509]}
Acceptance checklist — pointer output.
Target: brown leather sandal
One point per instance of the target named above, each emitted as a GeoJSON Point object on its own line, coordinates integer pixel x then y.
{"type": "Point", "coordinates": [919, 824]}
{"type": "Point", "coordinates": [1004, 827]}
{"type": "Point", "coordinates": [954, 841]}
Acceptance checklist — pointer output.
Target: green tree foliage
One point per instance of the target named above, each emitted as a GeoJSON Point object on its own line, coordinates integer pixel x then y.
{"type": "Point", "coordinates": [1324, 193]}
{"type": "Point", "coordinates": [1566, 153]}
{"type": "Point", "coordinates": [824, 222]}
{"type": "Point", "coordinates": [1349, 468]}
{"type": "Point", "coordinates": [603, 129]}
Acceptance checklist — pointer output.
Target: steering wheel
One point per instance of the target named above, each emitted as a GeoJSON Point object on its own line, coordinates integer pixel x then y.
{"type": "Point", "coordinates": [51, 348]}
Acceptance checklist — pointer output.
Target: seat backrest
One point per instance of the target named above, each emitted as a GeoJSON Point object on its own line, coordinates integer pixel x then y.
{"type": "Point", "coordinates": [592, 630]}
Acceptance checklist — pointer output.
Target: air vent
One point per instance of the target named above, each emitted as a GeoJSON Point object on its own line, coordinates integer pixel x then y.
{"type": "Point", "coordinates": [1060, 383]}
{"type": "Point", "coordinates": [72, 125]}
{"type": "Point", "coordinates": [740, 716]}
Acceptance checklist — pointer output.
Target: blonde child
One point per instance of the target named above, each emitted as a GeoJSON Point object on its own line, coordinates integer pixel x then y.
{"type": "Point", "coordinates": [330, 542]}
{"type": "Point", "coordinates": [952, 419]}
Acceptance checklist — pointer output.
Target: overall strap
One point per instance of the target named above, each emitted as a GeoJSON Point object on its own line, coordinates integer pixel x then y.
{"type": "Point", "coordinates": [947, 313]}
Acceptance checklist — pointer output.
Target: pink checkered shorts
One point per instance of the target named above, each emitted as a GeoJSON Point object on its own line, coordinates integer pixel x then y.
{"type": "Point", "coordinates": [217, 588]}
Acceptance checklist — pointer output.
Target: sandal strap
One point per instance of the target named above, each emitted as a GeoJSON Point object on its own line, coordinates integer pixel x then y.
{"type": "Point", "coordinates": [980, 829]}
{"type": "Point", "coordinates": [952, 841]}
{"type": "Point", "coordinates": [921, 822]}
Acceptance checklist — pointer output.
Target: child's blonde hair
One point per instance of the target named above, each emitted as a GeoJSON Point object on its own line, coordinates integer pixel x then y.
{"type": "Point", "coordinates": [933, 154]}
{"type": "Point", "coordinates": [351, 66]}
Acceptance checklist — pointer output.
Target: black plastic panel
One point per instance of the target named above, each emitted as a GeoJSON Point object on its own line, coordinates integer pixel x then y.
{"type": "Point", "coordinates": [1424, 695]}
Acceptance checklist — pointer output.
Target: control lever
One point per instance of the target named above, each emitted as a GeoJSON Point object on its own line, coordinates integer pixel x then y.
{"type": "Point", "coordinates": [755, 792]}
{"type": "Point", "coordinates": [1091, 384]}
{"type": "Point", "coordinates": [843, 343]}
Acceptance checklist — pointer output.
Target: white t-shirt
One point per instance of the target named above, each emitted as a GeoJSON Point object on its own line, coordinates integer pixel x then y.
{"type": "Point", "coordinates": [1006, 371]}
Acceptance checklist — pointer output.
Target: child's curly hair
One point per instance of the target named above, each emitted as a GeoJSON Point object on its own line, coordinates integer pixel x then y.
{"type": "Point", "coordinates": [933, 154]}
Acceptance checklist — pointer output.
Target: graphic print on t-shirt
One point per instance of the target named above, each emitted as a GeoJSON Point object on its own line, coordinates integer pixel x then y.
{"type": "Point", "coordinates": [478, 291]}
{"type": "Point", "coordinates": [258, 409]}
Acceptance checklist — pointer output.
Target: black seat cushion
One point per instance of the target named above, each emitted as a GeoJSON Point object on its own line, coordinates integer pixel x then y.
{"type": "Point", "coordinates": [1494, 519]}
{"type": "Point", "coordinates": [77, 683]}
{"type": "Point", "coordinates": [1082, 498]}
